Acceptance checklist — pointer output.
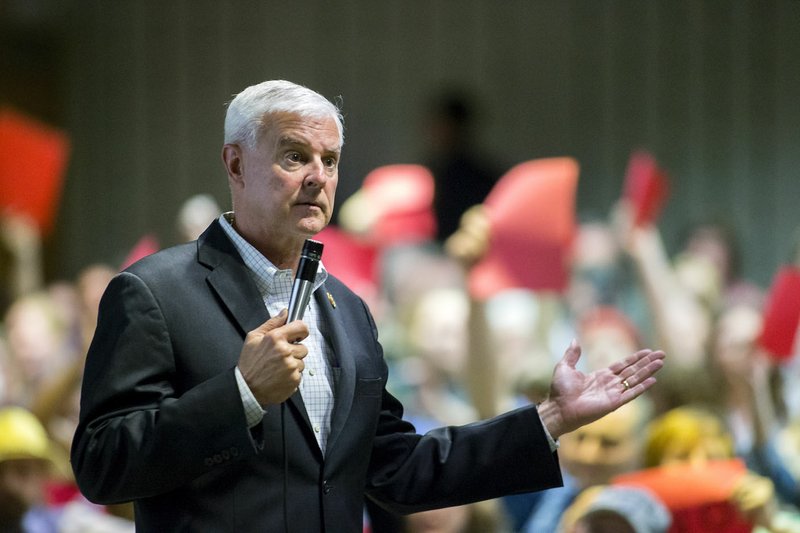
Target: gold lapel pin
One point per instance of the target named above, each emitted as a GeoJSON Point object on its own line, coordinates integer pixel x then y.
{"type": "Point", "coordinates": [331, 300]}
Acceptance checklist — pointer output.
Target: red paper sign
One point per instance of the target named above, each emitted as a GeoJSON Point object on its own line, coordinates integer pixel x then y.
{"type": "Point", "coordinates": [782, 314]}
{"type": "Point", "coordinates": [33, 159]}
{"type": "Point", "coordinates": [698, 496]}
{"type": "Point", "coordinates": [646, 188]}
{"type": "Point", "coordinates": [531, 212]}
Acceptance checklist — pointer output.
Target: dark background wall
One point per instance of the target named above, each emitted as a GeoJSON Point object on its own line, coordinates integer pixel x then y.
{"type": "Point", "coordinates": [709, 87]}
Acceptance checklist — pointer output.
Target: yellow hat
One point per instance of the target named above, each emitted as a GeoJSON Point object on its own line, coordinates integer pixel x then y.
{"type": "Point", "coordinates": [22, 436]}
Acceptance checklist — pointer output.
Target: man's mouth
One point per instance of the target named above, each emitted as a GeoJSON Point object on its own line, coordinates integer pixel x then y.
{"type": "Point", "coordinates": [309, 204]}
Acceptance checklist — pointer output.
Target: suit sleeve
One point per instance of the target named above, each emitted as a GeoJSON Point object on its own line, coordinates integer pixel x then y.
{"type": "Point", "coordinates": [137, 435]}
{"type": "Point", "coordinates": [457, 465]}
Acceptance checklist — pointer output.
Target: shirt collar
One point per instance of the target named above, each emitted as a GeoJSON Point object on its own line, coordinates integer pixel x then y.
{"type": "Point", "coordinates": [261, 267]}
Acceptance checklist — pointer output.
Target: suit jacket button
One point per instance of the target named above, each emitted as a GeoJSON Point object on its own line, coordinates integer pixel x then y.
{"type": "Point", "coordinates": [209, 461]}
{"type": "Point", "coordinates": [326, 487]}
{"type": "Point", "coordinates": [217, 458]}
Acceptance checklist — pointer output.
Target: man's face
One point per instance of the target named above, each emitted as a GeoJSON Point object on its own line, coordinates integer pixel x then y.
{"type": "Point", "coordinates": [284, 188]}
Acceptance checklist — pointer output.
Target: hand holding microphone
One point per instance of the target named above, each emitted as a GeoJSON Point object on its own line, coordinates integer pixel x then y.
{"type": "Point", "coordinates": [271, 361]}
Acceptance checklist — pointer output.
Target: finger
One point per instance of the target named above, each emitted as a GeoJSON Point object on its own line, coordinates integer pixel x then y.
{"type": "Point", "coordinates": [636, 390]}
{"type": "Point", "coordinates": [636, 374]}
{"type": "Point", "coordinates": [299, 352]}
{"type": "Point", "coordinates": [296, 331]}
{"type": "Point", "coordinates": [644, 367]}
{"type": "Point", "coordinates": [572, 354]}
{"type": "Point", "coordinates": [640, 358]}
{"type": "Point", "coordinates": [273, 322]}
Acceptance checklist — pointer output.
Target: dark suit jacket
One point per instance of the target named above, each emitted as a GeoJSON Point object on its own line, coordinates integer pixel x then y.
{"type": "Point", "coordinates": [162, 421]}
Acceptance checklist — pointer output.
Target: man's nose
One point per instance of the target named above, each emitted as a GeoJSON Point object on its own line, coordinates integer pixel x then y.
{"type": "Point", "coordinates": [315, 174]}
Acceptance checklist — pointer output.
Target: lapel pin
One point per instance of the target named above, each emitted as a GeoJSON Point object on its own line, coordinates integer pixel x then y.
{"type": "Point", "coordinates": [331, 300]}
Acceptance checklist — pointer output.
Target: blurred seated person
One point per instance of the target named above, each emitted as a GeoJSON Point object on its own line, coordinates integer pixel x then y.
{"type": "Point", "coordinates": [591, 456]}
{"type": "Point", "coordinates": [194, 216]}
{"type": "Point", "coordinates": [38, 343]}
{"type": "Point", "coordinates": [611, 509]}
{"type": "Point", "coordinates": [691, 447]}
{"type": "Point", "coordinates": [25, 463]}
{"type": "Point", "coordinates": [750, 394]}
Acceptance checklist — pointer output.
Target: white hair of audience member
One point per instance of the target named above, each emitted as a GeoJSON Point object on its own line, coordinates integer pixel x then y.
{"type": "Point", "coordinates": [196, 214]}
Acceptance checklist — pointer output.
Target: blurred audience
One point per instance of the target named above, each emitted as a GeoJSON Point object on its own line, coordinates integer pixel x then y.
{"type": "Point", "coordinates": [694, 470]}
{"type": "Point", "coordinates": [724, 414]}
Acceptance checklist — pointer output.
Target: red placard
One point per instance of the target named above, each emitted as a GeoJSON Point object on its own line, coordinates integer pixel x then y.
{"type": "Point", "coordinates": [782, 314]}
{"type": "Point", "coordinates": [33, 159]}
{"type": "Point", "coordinates": [697, 495]}
{"type": "Point", "coordinates": [531, 212]}
{"type": "Point", "coordinates": [646, 188]}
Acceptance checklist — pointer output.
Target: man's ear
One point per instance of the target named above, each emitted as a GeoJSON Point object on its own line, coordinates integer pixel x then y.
{"type": "Point", "coordinates": [234, 164]}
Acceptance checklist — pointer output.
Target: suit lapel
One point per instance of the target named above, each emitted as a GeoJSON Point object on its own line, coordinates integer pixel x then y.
{"type": "Point", "coordinates": [343, 364]}
{"type": "Point", "coordinates": [230, 279]}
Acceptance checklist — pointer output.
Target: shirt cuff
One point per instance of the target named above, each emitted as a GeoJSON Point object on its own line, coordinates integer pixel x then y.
{"type": "Point", "coordinates": [252, 409]}
{"type": "Point", "coordinates": [550, 440]}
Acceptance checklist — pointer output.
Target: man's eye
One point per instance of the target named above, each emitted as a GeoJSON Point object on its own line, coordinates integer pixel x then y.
{"type": "Point", "coordinates": [293, 156]}
{"type": "Point", "coordinates": [330, 162]}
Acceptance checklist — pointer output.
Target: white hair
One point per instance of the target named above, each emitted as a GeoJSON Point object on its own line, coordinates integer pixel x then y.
{"type": "Point", "coordinates": [247, 112]}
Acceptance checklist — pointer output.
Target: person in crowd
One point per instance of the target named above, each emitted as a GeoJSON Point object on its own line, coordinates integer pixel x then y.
{"type": "Point", "coordinates": [680, 298]}
{"type": "Point", "coordinates": [456, 160]}
{"type": "Point", "coordinates": [25, 462]}
{"type": "Point", "coordinates": [21, 268]}
{"type": "Point", "coordinates": [37, 340]}
{"type": "Point", "coordinates": [194, 216]}
{"type": "Point", "coordinates": [611, 509]}
{"type": "Point", "coordinates": [591, 456]}
{"type": "Point", "coordinates": [750, 396]}
{"type": "Point", "coordinates": [691, 443]}
{"type": "Point", "coordinates": [202, 405]}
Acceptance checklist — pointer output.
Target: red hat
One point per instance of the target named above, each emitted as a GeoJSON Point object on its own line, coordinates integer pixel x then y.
{"type": "Point", "coordinates": [531, 213]}
{"type": "Point", "coordinates": [403, 194]}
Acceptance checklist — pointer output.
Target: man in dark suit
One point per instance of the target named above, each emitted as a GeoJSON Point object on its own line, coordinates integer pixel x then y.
{"type": "Point", "coordinates": [203, 406]}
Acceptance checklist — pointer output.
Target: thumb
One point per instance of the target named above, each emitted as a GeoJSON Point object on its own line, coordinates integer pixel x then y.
{"type": "Point", "coordinates": [274, 322]}
{"type": "Point", "coordinates": [572, 354]}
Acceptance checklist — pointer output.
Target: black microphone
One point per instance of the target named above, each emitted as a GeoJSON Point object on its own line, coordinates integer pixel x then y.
{"type": "Point", "coordinates": [304, 279]}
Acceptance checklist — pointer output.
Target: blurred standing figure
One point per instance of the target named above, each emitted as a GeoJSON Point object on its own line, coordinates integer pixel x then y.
{"type": "Point", "coordinates": [464, 176]}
